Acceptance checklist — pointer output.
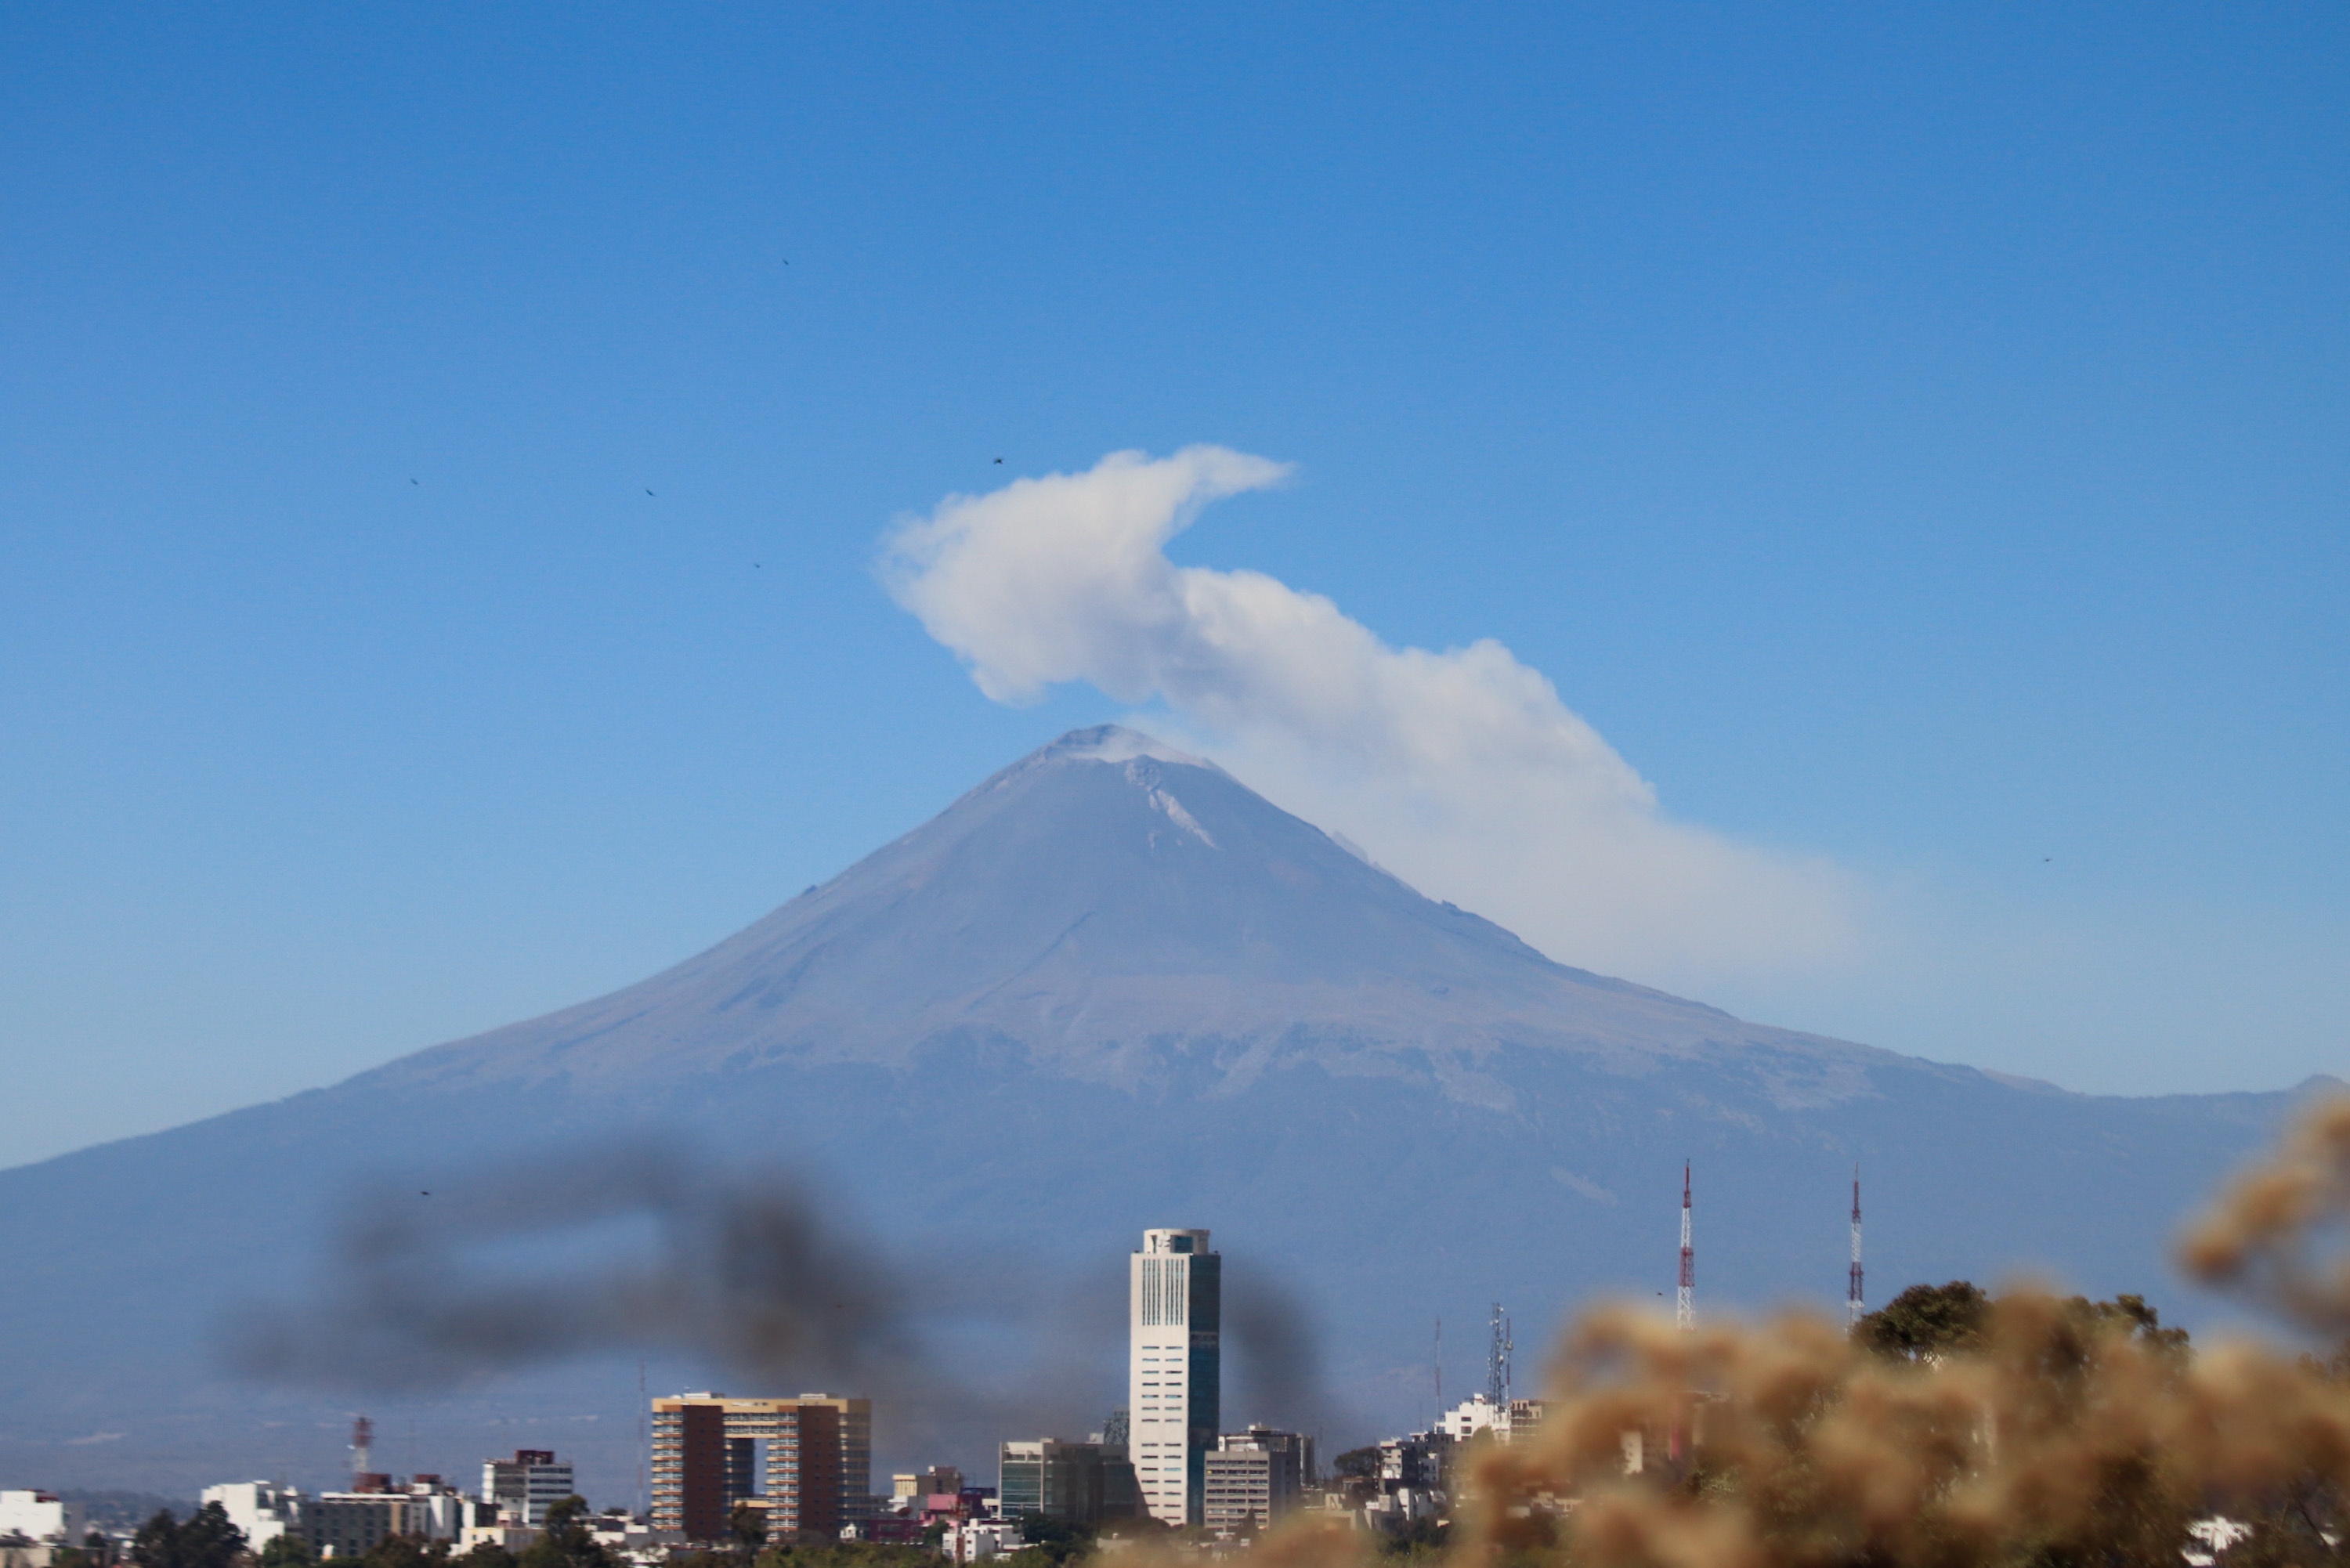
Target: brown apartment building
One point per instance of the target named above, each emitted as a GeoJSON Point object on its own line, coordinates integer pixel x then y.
{"type": "Point", "coordinates": [807, 1463]}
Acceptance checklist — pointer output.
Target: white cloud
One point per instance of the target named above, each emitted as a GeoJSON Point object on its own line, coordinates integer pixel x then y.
{"type": "Point", "coordinates": [1461, 771]}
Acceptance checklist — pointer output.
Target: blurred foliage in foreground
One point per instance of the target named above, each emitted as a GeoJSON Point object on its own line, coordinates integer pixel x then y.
{"type": "Point", "coordinates": [1952, 1430]}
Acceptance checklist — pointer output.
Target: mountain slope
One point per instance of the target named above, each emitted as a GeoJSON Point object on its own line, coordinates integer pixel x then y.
{"type": "Point", "coordinates": [1100, 905]}
{"type": "Point", "coordinates": [1108, 988]}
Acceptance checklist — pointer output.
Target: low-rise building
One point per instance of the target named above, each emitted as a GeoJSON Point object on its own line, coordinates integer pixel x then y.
{"type": "Point", "coordinates": [979, 1539]}
{"type": "Point", "coordinates": [263, 1510]}
{"type": "Point", "coordinates": [41, 1517]}
{"type": "Point", "coordinates": [1397, 1511]}
{"type": "Point", "coordinates": [527, 1484]}
{"type": "Point", "coordinates": [352, 1523]}
{"type": "Point", "coordinates": [1507, 1422]}
{"type": "Point", "coordinates": [1254, 1479]}
{"type": "Point", "coordinates": [24, 1551]}
{"type": "Point", "coordinates": [495, 1532]}
{"type": "Point", "coordinates": [1417, 1460]}
{"type": "Point", "coordinates": [909, 1487]}
{"type": "Point", "coordinates": [1083, 1483]}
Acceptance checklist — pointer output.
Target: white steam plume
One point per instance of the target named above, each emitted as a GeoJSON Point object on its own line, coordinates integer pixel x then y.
{"type": "Point", "coordinates": [1461, 770]}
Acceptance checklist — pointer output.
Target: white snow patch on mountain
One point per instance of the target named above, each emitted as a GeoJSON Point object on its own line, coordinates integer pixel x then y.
{"type": "Point", "coordinates": [1174, 812]}
{"type": "Point", "coordinates": [1116, 743]}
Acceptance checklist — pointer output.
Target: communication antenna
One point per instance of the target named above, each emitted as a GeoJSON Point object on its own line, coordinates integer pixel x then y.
{"type": "Point", "coordinates": [1497, 1361]}
{"type": "Point", "coordinates": [1439, 1372]}
{"type": "Point", "coordinates": [1685, 1306]}
{"type": "Point", "coordinates": [362, 1449]}
{"type": "Point", "coordinates": [1852, 1307]}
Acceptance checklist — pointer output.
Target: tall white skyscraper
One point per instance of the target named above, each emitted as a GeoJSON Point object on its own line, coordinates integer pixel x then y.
{"type": "Point", "coordinates": [1174, 1375]}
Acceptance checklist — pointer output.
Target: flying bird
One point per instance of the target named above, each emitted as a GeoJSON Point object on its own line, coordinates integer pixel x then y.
{"type": "Point", "coordinates": [412, 482]}
{"type": "Point", "coordinates": [648, 492]}
{"type": "Point", "coordinates": [999, 460]}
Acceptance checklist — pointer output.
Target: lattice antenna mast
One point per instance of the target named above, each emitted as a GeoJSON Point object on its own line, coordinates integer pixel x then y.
{"type": "Point", "coordinates": [1685, 1305]}
{"type": "Point", "coordinates": [1852, 1307]}
{"type": "Point", "coordinates": [1439, 1372]}
{"type": "Point", "coordinates": [362, 1448]}
{"type": "Point", "coordinates": [1497, 1361]}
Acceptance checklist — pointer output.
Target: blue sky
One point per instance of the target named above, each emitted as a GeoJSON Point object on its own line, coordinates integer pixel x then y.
{"type": "Point", "coordinates": [1914, 439]}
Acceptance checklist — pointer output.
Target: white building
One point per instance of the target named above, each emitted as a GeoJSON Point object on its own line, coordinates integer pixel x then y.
{"type": "Point", "coordinates": [977, 1540]}
{"type": "Point", "coordinates": [41, 1516]}
{"type": "Point", "coordinates": [262, 1510]}
{"type": "Point", "coordinates": [1509, 1422]}
{"type": "Point", "coordinates": [1174, 1372]}
{"type": "Point", "coordinates": [526, 1485]}
{"type": "Point", "coordinates": [512, 1537]}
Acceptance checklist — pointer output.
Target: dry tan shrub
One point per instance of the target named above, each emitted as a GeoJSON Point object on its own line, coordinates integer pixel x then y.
{"type": "Point", "coordinates": [2264, 1234]}
{"type": "Point", "coordinates": [2071, 1436]}
{"type": "Point", "coordinates": [2066, 1438]}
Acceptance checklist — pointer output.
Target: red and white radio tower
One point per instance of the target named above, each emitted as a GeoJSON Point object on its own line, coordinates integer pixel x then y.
{"type": "Point", "coordinates": [1852, 1308]}
{"type": "Point", "coordinates": [362, 1449]}
{"type": "Point", "coordinates": [1685, 1308]}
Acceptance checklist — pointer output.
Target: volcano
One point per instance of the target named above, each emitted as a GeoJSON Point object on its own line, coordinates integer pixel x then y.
{"type": "Point", "coordinates": [1110, 987]}
{"type": "Point", "coordinates": [1111, 911]}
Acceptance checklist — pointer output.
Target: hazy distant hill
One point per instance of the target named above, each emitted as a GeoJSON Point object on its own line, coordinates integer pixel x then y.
{"type": "Point", "coordinates": [1109, 988]}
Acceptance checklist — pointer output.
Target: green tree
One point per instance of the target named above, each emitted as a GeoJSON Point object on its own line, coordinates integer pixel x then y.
{"type": "Point", "coordinates": [1925, 1323]}
{"type": "Point", "coordinates": [288, 1551]}
{"type": "Point", "coordinates": [206, 1541]}
{"type": "Point", "coordinates": [1357, 1464]}
{"type": "Point", "coordinates": [209, 1540]}
{"type": "Point", "coordinates": [2142, 1322]}
{"type": "Point", "coordinates": [1419, 1540]}
{"type": "Point", "coordinates": [749, 1526]}
{"type": "Point", "coordinates": [845, 1554]}
{"type": "Point", "coordinates": [488, 1554]}
{"type": "Point", "coordinates": [157, 1544]}
{"type": "Point", "coordinates": [567, 1541]}
{"type": "Point", "coordinates": [406, 1552]}
{"type": "Point", "coordinates": [1055, 1540]}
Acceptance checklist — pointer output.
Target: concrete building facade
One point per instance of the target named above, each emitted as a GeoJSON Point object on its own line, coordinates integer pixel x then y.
{"type": "Point", "coordinates": [1174, 1378]}
{"type": "Point", "coordinates": [41, 1516]}
{"type": "Point", "coordinates": [910, 1488]}
{"type": "Point", "coordinates": [352, 1523]}
{"type": "Point", "coordinates": [1084, 1483]}
{"type": "Point", "coordinates": [857, 1498]}
{"type": "Point", "coordinates": [1510, 1421]}
{"type": "Point", "coordinates": [527, 1484]}
{"type": "Point", "coordinates": [1254, 1479]}
{"type": "Point", "coordinates": [263, 1510]}
{"type": "Point", "coordinates": [981, 1540]}
{"type": "Point", "coordinates": [707, 1460]}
